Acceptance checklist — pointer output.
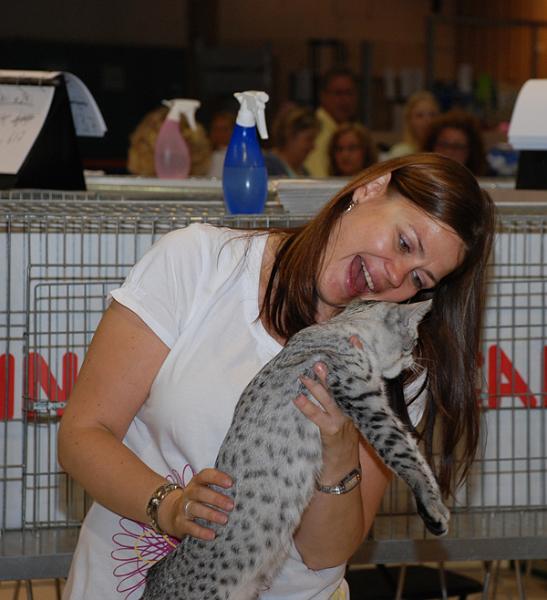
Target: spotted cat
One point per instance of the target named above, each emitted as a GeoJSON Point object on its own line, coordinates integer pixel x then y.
{"type": "Point", "coordinates": [273, 453]}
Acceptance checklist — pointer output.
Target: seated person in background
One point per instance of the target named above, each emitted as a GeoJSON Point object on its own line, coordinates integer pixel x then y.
{"type": "Point", "coordinates": [351, 150]}
{"type": "Point", "coordinates": [140, 158]}
{"type": "Point", "coordinates": [293, 134]}
{"type": "Point", "coordinates": [457, 134]}
{"type": "Point", "coordinates": [220, 131]}
{"type": "Point", "coordinates": [338, 103]}
{"type": "Point", "coordinates": [420, 109]}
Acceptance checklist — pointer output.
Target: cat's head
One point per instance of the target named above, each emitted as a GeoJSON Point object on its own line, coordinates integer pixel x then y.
{"type": "Point", "coordinates": [396, 331]}
{"type": "Point", "coordinates": [402, 322]}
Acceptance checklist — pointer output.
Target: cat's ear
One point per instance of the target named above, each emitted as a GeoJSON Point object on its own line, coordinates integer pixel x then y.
{"type": "Point", "coordinates": [416, 311]}
{"type": "Point", "coordinates": [373, 188]}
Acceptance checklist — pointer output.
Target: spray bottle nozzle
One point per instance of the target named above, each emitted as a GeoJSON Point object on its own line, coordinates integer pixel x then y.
{"type": "Point", "coordinates": [182, 106]}
{"type": "Point", "coordinates": [253, 104]}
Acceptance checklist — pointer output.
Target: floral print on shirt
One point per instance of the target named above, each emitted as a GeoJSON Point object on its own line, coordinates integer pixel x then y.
{"type": "Point", "coordinates": [137, 547]}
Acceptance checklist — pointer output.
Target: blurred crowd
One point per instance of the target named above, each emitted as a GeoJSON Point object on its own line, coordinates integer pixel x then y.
{"type": "Point", "coordinates": [325, 141]}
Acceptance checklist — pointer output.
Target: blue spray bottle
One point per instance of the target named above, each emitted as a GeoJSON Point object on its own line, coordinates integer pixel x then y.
{"type": "Point", "coordinates": [244, 177]}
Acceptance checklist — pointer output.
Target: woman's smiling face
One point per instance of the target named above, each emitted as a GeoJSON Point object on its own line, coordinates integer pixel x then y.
{"type": "Point", "coordinates": [384, 248]}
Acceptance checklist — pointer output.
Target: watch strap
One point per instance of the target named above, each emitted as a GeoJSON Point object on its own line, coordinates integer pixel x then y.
{"type": "Point", "coordinates": [345, 485]}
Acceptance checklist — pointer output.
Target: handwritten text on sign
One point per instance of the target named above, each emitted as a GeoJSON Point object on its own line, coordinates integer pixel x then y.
{"type": "Point", "coordinates": [23, 110]}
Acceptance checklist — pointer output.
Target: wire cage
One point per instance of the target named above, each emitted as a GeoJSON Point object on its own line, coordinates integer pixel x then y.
{"type": "Point", "coordinates": [65, 251]}
{"type": "Point", "coordinates": [501, 510]}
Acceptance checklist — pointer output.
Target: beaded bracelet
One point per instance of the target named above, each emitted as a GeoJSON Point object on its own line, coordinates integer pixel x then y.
{"type": "Point", "coordinates": [154, 503]}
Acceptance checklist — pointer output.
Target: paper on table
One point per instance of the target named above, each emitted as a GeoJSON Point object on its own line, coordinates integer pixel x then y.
{"type": "Point", "coordinates": [15, 74]}
{"type": "Point", "coordinates": [88, 120]}
{"type": "Point", "coordinates": [528, 127]}
{"type": "Point", "coordinates": [86, 115]}
{"type": "Point", "coordinates": [23, 110]}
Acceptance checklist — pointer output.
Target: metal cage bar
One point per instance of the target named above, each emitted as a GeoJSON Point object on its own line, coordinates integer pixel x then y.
{"type": "Point", "coordinates": [65, 251]}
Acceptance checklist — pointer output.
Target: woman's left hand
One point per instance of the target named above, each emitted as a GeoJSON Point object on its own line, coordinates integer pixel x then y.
{"type": "Point", "coordinates": [339, 436]}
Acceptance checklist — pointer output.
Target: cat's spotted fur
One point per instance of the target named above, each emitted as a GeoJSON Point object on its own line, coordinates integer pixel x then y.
{"type": "Point", "coordinates": [273, 453]}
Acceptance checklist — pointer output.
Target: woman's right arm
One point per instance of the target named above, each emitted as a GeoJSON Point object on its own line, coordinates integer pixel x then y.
{"type": "Point", "coordinates": [114, 381]}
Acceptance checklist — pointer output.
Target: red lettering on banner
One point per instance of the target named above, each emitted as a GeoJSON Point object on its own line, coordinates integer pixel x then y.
{"type": "Point", "coordinates": [7, 378]}
{"type": "Point", "coordinates": [40, 376]}
{"type": "Point", "coordinates": [480, 364]}
{"type": "Point", "coordinates": [499, 366]}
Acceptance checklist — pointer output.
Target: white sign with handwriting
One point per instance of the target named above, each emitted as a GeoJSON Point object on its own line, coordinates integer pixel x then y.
{"type": "Point", "coordinates": [23, 110]}
{"type": "Point", "coordinates": [88, 120]}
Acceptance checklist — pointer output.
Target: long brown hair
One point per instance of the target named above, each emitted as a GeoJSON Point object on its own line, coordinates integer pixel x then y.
{"type": "Point", "coordinates": [449, 337]}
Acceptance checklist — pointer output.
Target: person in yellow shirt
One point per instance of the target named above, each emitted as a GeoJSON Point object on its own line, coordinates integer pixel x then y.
{"type": "Point", "coordinates": [338, 101]}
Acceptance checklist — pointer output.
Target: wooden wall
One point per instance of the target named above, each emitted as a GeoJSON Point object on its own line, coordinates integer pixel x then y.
{"type": "Point", "coordinates": [507, 50]}
{"type": "Point", "coordinates": [112, 22]}
{"type": "Point", "coordinates": [396, 30]}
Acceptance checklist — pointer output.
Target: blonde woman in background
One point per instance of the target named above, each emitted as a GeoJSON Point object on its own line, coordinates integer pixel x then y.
{"type": "Point", "coordinates": [140, 159]}
{"type": "Point", "coordinates": [420, 109]}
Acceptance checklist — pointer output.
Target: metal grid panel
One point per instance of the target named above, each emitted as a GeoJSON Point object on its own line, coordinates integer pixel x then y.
{"type": "Point", "coordinates": [506, 493]}
{"type": "Point", "coordinates": [65, 253]}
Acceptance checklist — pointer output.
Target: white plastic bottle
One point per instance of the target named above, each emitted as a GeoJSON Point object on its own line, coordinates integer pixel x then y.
{"type": "Point", "coordinates": [171, 155]}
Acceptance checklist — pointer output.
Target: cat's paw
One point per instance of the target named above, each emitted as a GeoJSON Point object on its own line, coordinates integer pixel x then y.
{"type": "Point", "coordinates": [435, 516]}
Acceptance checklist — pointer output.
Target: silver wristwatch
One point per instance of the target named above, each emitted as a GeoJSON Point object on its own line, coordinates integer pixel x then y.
{"type": "Point", "coordinates": [350, 481]}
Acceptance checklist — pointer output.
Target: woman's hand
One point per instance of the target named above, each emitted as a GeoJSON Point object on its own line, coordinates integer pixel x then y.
{"type": "Point", "coordinates": [339, 436]}
{"type": "Point", "coordinates": [197, 500]}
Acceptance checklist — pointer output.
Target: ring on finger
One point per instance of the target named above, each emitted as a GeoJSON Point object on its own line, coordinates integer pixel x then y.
{"type": "Point", "coordinates": [187, 512]}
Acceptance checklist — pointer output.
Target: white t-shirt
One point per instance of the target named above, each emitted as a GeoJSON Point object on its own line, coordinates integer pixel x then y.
{"type": "Point", "coordinates": [199, 294]}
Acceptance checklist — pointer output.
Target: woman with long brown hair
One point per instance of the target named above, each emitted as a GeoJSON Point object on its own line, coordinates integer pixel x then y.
{"type": "Point", "coordinates": [207, 307]}
{"type": "Point", "coordinates": [351, 150]}
{"type": "Point", "coordinates": [457, 135]}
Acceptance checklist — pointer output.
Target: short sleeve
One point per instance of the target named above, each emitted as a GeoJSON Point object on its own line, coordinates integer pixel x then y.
{"type": "Point", "coordinates": [161, 287]}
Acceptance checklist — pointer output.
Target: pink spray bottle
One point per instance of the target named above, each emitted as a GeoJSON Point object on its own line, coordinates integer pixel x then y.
{"type": "Point", "coordinates": [171, 155]}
